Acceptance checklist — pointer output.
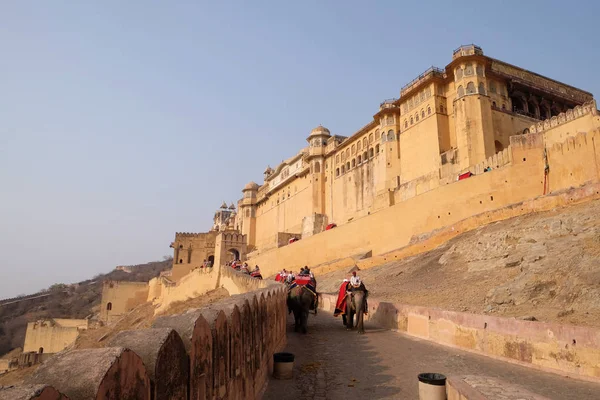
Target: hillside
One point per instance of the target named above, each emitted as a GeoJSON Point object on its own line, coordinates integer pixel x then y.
{"type": "Point", "coordinates": [65, 301]}
{"type": "Point", "coordinates": [544, 265]}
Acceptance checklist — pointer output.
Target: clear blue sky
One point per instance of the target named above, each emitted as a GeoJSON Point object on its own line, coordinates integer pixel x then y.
{"type": "Point", "coordinates": [122, 122]}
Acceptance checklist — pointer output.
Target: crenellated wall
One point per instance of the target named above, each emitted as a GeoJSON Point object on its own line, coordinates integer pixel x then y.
{"type": "Point", "coordinates": [230, 345]}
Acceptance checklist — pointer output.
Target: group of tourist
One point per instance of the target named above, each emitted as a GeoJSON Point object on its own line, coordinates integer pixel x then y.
{"type": "Point", "coordinates": [290, 276]}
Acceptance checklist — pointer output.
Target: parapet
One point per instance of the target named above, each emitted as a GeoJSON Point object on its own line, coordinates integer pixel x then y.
{"type": "Point", "coordinates": [579, 111]}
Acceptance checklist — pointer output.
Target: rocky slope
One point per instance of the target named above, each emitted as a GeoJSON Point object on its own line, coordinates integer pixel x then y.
{"type": "Point", "coordinates": [544, 265]}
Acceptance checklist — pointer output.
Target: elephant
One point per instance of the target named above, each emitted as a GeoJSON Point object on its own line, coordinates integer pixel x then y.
{"type": "Point", "coordinates": [356, 302]}
{"type": "Point", "coordinates": [300, 299]}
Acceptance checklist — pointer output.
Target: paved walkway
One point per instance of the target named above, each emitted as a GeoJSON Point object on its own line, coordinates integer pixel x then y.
{"type": "Point", "coordinates": [332, 363]}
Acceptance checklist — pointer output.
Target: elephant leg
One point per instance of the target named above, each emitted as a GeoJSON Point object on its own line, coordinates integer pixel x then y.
{"type": "Point", "coordinates": [344, 319]}
{"type": "Point", "coordinates": [296, 320]}
{"type": "Point", "coordinates": [360, 313]}
{"type": "Point", "coordinates": [304, 321]}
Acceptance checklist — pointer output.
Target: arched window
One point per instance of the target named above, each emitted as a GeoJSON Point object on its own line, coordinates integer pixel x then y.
{"type": "Point", "coordinates": [358, 145]}
{"type": "Point", "coordinates": [417, 117]}
{"type": "Point", "coordinates": [365, 142]}
{"type": "Point", "coordinates": [343, 169]}
{"type": "Point", "coordinates": [376, 149]}
{"type": "Point", "coordinates": [459, 73]}
{"type": "Point", "coordinates": [422, 96]}
{"type": "Point", "coordinates": [317, 167]}
{"type": "Point", "coordinates": [337, 158]}
{"type": "Point", "coordinates": [494, 104]}
{"type": "Point", "coordinates": [377, 135]}
{"type": "Point", "coordinates": [492, 86]}
{"type": "Point", "coordinates": [468, 70]}
{"type": "Point", "coordinates": [422, 114]}
{"type": "Point", "coordinates": [391, 135]}
{"type": "Point", "coordinates": [347, 153]}
{"type": "Point", "coordinates": [353, 149]}
{"type": "Point", "coordinates": [479, 70]}
{"type": "Point", "coordinates": [411, 120]}
{"type": "Point", "coordinates": [461, 91]}
{"type": "Point", "coordinates": [481, 88]}
{"type": "Point", "coordinates": [181, 261]}
{"type": "Point", "coordinates": [41, 350]}
{"type": "Point", "coordinates": [428, 110]}
{"type": "Point", "coordinates": [359, 159]}
{"type": "Point", "coordinates": [371, 153]}
{"type": "Point", "coordinates": [108, 306]}
{"type": "Point", "coordinates": [353, 162]}
{"type": "Point", "coordinates": [365, 156]}
{"type": "Point", "coordinates": [337, 172]}
{"type": "Point", "coordinates": [348, 166]}
{"type": "Point", "coordinates": [503, 106]}
{"type": "Point", "coordinates": [405, 123]}
{"type": "Point", "coordinates": [470, 88]}
{"type": "Point", "coordinates": [371, 138]}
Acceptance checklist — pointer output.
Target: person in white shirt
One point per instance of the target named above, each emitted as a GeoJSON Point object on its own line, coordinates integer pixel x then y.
{"type": "Point", "coordinates": [355, 280]}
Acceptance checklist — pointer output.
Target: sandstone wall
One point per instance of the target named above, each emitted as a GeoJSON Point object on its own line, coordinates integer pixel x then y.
{"type": "Point", "coordinates": [52, 335]}
{"type": "Point", "coordinates": [571, 164]}
{"type": "Point", "coordinates": [230, 345]}
{"type": "Point", "coordinates": [565, 349]}
{"type": "Point", "coordinates": [119, 297]}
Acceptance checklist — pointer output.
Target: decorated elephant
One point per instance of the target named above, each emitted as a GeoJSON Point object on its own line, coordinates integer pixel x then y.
{"type": "Point", "coordinates": [356, 305]}
{"type": "Point", "coordinates": [300, 300]}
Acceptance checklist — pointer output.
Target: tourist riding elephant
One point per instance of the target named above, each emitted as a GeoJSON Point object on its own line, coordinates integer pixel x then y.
{"type": "Point", "coordinates": [356, 301]}
{"type": "Point", "coordinates": [300, 300]}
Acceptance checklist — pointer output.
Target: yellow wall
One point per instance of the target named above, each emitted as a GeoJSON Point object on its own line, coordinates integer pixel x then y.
{"type": "Point", "coordinates": [419, 149]}
{"type": "Point", "coordinates": [190, 250]}
{"type": "Point", "coordinates": [393, 227]}
{"type": "Point", "coordinates": [123, 297]}
{"type": "Point", "coordinates": [52, 335]}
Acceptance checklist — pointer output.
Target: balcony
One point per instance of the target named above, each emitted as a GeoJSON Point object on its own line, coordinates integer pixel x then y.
{"type": "Point", "coordinates": [429, 73]}
{"type": "Point", "coordinates": [467, 50]}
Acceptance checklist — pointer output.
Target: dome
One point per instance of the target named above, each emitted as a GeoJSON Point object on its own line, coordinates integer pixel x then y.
{"type": "Point", "coordinates": [231, 206]}
{"type": "Point", "coordinates": [224, 205]}
{"type": "Point", "coordinates": [320, 130]}
{"type": "Point", "coordinates": [251, 186]}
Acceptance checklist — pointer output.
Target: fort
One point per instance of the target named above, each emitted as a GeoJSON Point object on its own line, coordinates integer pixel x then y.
{"type": "Point", "coordinates": [462, 146]}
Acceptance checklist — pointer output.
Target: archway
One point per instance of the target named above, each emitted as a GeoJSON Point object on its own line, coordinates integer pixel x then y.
{"type": "Point", "coordinates": [233, 255]}
{"type": "Point", "coordinates": [109, 306]}
{"type": "Point", "coordinates": [41, 350]}
{"type": "Point", "coordinates": [499, 146]}
{"type": "Point", "coordinates": [211, 260]}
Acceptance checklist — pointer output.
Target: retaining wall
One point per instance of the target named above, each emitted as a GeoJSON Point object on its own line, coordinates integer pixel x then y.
{"type": "Point", "coordinates": [564, 349]}
{"type": "Point", "coordinates": [228, 348]}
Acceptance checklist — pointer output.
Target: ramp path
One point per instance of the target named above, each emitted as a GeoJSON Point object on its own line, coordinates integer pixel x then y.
{"type": "Point", "coordinates": [332, 363]}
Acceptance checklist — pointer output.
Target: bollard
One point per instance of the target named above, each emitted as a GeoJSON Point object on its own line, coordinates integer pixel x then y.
{"type": "Point", "coordinates": [283, 365]}
{"type": "Point", "coordinates": [432, 386]}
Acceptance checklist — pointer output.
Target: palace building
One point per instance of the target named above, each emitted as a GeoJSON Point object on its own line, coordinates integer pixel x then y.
{"type": "Point", "coordinates": [445, 121]}
{"type": "Point", "coordinates": [469, 118]}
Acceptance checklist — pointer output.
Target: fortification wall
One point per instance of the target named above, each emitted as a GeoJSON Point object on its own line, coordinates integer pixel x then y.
{"type": "Point", "coordinates": [520, 179]}
{"type": "Point", "coordinates": [564, 349]}
{"type": "Point", "coordinates": [229, 344]}
{"type": "Point", "coordinates": [53, 335]}
{"type": "Point", "coordinates": [119, 297]}
{"type": "Point", "coordinates": [194, 284]}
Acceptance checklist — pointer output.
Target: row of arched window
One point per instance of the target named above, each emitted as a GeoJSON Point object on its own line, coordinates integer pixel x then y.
{"type": "Point", "coordinates": [415, 118]}
{"type": "Point", "coordinates": [356, 148]}
{"type": "Point", "coordinates": [364, 157]}
{"type": "Point", "coordinates": [471, 89]}
{"type": "Point", "coordinates": [468, 71]}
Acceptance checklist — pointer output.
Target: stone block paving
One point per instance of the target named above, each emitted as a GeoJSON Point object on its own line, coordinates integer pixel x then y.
{"type": "Point", "coordinates": [332, 363]}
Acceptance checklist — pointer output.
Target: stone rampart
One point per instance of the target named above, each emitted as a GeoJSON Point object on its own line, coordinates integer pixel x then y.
{"type": "Point", "coordinates": [523, 179]}
{"type": "Point", "coordinates": [222, 351]}
{"type": "Point", "coordinates": [563, 349]}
